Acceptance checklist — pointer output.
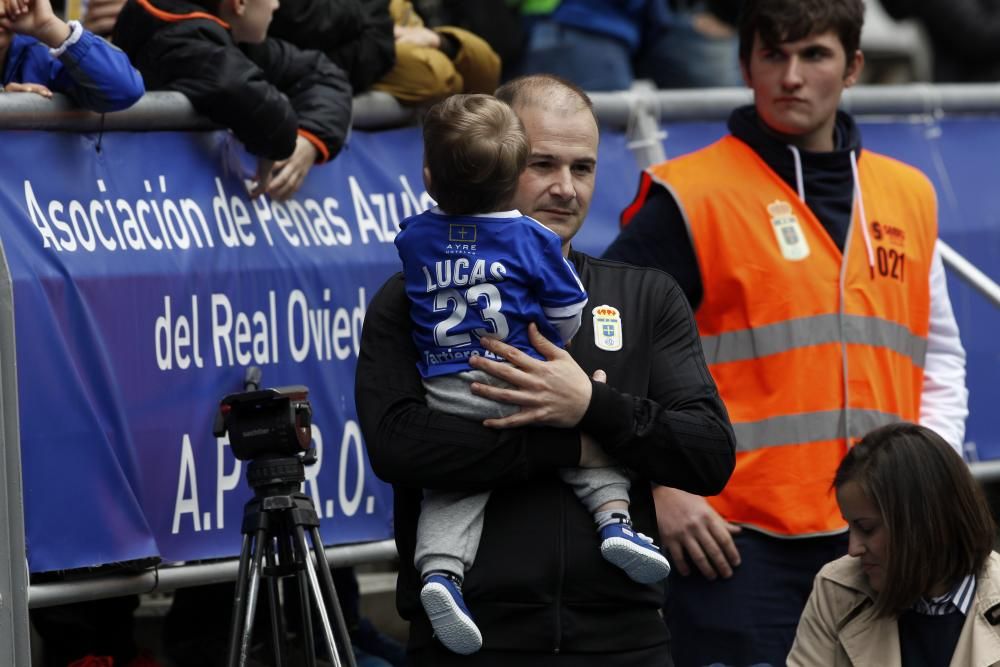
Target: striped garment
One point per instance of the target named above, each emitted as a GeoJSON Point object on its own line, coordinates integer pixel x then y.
{"type": "Point", "coordinates": [959, 598]}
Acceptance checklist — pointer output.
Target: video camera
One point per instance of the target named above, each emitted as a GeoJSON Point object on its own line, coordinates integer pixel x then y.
{"type": "Point", "coordinates": [266, 423]}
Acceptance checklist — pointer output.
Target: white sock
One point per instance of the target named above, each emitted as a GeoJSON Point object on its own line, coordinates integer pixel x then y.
{"type": "Point", "coordinates": [609, 517]}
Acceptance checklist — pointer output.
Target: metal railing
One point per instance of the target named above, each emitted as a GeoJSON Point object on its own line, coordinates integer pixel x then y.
{"type": "Point", "coordinates": [171, 577]}
{"type": "Point", "coordinates": [373, 110]}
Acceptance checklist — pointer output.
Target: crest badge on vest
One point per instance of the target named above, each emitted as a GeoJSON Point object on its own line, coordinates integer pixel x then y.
{"type": "Point", "coordinates": [788, 231]}
{"type": "Point", "coordinates": [607, 328]}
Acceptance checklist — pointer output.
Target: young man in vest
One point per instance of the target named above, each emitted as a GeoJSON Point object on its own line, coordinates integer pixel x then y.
{"type": "Point", "coordinates": [821, 301]}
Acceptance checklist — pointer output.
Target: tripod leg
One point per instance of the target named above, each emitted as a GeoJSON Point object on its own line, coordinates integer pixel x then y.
{"type": "Point", "coordinates": [308, 635]}
{"type": "Point", "coordinates": [331, 592]}
{"type": "Point", "coordinates": [319, 600]}
{"type": "Point", "coordinates": [274, 602]}
{"type": "Point", "coordinates": [253, 585]}
{"type": "Point", "coordinates": [239, 601]}
{"type": "Point", "coordinates": [298, 556]}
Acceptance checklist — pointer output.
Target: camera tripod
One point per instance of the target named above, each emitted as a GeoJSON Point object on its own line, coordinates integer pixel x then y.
{"type": "Point", "coordinates": [275, 523]}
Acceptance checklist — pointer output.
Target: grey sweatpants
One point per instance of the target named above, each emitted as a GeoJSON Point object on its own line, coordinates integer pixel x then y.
{"type": "Point", "coordinates": [451, 522]}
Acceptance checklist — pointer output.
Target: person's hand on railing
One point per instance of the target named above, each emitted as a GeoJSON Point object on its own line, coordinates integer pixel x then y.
{"type": "Point", "coordinates": [36, 88]}
{"type": "Point", "coordinates": [288, 175]}
{"type": "Point", "coordinates": [264, 169]}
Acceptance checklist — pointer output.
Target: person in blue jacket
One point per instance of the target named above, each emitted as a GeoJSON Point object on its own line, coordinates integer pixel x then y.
{"type": "Point", "coordinates": [40, 53]}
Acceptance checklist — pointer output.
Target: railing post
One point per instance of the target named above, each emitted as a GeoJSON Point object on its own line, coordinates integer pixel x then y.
{"type": "Point", "coordinates": [645, 136]}
{"type": "Point", "coordinates": [14, 628]}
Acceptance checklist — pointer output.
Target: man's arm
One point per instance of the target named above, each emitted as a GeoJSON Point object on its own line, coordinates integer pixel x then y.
{"type": "Point", "coordinates": [678, 436]}
{"type": "Point", "coordinates": [222, 83]}
{"type": "Point", "coordinates": [687, 418]}
{"type": "Point", "coordinates": [412, 445]}
{"type": "Point", "coordinates": [944, 401]}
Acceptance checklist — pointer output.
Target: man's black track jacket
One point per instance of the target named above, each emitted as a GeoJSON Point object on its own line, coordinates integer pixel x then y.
{"type": "Point", "coordinates": [539, 583]}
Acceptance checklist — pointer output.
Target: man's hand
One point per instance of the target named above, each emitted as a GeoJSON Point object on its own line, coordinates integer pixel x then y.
{"type": "Point", "coordinates": [35, 88]}
{"type": "Point", "coordinates": [288, 175]}
{"type": "Point", "coordinates": [35, 18]}
{"type": "Point", "coordinates": [555, 392]}
{"type": "Point", "coordinates": [688, 523]}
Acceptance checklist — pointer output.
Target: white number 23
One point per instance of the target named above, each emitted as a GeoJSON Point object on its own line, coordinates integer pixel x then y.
{"type": "Point", "coordinates": [454, 301]}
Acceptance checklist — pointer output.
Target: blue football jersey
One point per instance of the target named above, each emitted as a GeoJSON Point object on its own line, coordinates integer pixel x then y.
{"type": "Point", "coordinates": [484, 275]}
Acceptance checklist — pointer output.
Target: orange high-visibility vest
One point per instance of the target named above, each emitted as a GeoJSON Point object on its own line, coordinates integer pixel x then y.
{"type": "Point", "coordinates": [811, 347]}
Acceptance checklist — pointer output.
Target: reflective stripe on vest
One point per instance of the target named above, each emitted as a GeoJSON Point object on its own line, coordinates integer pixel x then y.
{"type": "Point", "coordinates": [811, 347]}
{"type": "Point", "coordinates": [805, 331]}
{"type": "Point", "coordinates": [809, 427]}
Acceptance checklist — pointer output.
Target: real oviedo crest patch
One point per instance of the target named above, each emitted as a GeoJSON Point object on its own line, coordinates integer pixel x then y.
{"type": "Point", "coordinates": [607, 328]}
{"type": "Point", "coordinates": [788, 231]}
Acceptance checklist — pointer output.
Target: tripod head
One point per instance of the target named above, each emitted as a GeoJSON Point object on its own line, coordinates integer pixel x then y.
{"type": "Point", "coordinates": [267, 423]}
{"type": "Point", "coordinates": [278, 475]}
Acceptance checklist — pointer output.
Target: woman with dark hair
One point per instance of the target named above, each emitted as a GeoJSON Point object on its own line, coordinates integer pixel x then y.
{"type": "Point", "coordinates": [920, 584]}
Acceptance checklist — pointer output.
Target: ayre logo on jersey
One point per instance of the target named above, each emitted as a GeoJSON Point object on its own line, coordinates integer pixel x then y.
{"type": "Point", "coordinates": [461, 233]}
{"type": "Point", "coordinates": [607, 328]}
{"type": "Point", "coordinates": [461, 240]}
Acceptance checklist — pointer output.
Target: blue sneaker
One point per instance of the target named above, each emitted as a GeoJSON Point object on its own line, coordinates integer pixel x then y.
{"type": "Point", "coordinates": [450, 618]}
{"type": "Point", "coordinates": [633, 552]}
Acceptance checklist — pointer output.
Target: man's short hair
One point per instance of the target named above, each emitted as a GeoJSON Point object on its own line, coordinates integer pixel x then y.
{"type": "Point", "coordinates": [545, 91]}
{"type": "Point", "coordinates": [475, 148]}
{"type": "Point", "coordinates": [779, 21]}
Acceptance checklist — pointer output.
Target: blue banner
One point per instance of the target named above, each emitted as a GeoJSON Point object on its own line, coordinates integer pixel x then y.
{"type": "Point", "coordinates": [146, 281]}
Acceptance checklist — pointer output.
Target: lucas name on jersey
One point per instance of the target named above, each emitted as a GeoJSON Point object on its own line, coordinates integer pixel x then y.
{"type": "Point", "coordinates": [461, 272]}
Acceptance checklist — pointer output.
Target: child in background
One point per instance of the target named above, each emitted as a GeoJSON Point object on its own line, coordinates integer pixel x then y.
{"type": "Point", "coordinates": [473, 270]}
{"type": "Point", "coordinates": [40, 53]}
{"type": "Point", "coordinates": [290, 108]}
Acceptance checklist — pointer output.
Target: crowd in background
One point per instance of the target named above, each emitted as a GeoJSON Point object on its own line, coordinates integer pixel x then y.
{"type": "Point", "coordinates": [286, 92]}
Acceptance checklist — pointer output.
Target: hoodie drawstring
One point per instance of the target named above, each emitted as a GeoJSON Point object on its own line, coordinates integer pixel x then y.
{"type": "Point", "coordinates": [861, 212]}
{"type": "Point", "coordinates": [799, 180]}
